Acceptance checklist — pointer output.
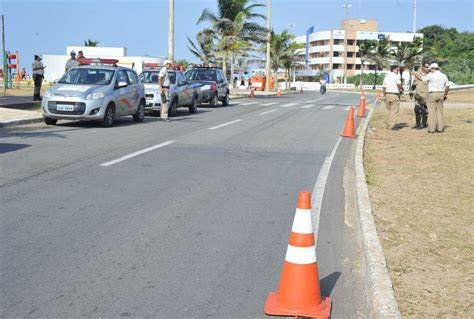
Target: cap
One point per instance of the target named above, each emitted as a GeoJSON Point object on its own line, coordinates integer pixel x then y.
{"type": "Point", "coordinates": [434, 66]}
{"type": "Point", "coordinates": [167, 62]}
{"type": "Point", "coordinates": [38, 56]}
{"type": "Point", "coordinates": [73, 52]}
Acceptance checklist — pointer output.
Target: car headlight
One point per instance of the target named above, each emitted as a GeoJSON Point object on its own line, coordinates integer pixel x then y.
{"type": "Point", "coordinates": [95, 96]}
{"type": "Point", "coordinates": [48, 93]}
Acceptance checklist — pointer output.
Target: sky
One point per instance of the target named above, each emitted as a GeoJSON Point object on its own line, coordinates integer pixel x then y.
{"type": "Point", "coordinates": [48, 26]}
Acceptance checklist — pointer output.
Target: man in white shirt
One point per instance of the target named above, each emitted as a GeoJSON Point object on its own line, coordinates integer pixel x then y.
{"type": "Point", "coordinates": [392, 88]}
{"type": "Point", "coordinates": [438, 88]}
{"type": "Point", "coordinates": [38, 75]}
{"type": "Point", "coordinates": [72, 62]}
{"type": "Point", "coordinates": [164, 84]}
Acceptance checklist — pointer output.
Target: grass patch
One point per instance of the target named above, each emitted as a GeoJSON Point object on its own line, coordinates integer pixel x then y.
{"type": "Point", "coordinates": [421, 186]}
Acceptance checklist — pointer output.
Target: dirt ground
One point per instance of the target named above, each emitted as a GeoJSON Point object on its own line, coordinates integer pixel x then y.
{"type": "Point", "coordinates": [461, 96]}
{"type": "Point", "coordinates": [422, 190]}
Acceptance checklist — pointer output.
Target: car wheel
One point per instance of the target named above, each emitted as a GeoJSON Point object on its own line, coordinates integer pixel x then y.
{"type": "Point", "coordinates": [109, 116]}
{"type": "Point", "coordinates": [214, 100]}
{"type": "Point", "coordinates": [50, 121]}
{"type": "Point", "coordinates": [194, 106]}
{"type": "Point", "coordinates": [225, 101]}
{"type": "Point", "coordinates": [140, 114]}
{"type": "Point", "coordinates": [173, 108]}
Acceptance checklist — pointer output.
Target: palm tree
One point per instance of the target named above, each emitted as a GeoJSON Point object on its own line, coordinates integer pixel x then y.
{"type": "Point", "coordinates": [204, 48]}
{"type": "Point", "coordinates": [91, 43]}
{"type": "Point", "coordinates": [291, 59]}
{"type": "Point", "coordinates": [234, 27]}
{"type": "Point", "coordinates": [407, 54]}
{"type": "Point", "coordinates": [366, 51]}
{"type": "Point", "coordinates": [380, 56]}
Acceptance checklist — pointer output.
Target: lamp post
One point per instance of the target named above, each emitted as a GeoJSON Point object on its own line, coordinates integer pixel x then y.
{"type": "Point", "coordinates": [346, 8]}
{"type": "Point", "coordinates": [267, 63]}
{"type": "Point", "coordinates": [170, 29]}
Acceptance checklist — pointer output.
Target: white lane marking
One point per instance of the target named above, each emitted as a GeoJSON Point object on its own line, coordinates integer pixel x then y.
{"type": "Point", "coordinates": [315, 100]}
{"type": "Point", "coordinates": [225, 124]}
{"type": "Point", "coordinates": [268, 104]}
{"type": "Point", "coordinates": [319, 187]}
{"type": "Point", "coordinates": [308, 106]}
{"type": "Point", "coordinates": [288, 105]}
{"type": "Point", "coordinates": [328, 107]}
{"type": "Point", "coordinates": [126, 157]}
{"type": "Point", "coordinates": [274, 110]}
{"type": "Point", "coordinates": [248, 103]}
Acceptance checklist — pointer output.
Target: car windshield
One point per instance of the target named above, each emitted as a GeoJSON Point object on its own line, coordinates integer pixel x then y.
{"type": "Point", "coordinates": [88, 76]}
{"type": "Point", "coordinates": [201, 75]}
{"type": "Point", "coordinates": [152, 77]}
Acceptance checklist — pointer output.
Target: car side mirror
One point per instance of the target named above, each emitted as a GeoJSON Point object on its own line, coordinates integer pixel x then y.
{"type": "Point", "coordinates": [121, 84]}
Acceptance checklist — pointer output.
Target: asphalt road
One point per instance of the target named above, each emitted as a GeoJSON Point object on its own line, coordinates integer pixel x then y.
{"type": "Point", "coordinates": [196, 225]}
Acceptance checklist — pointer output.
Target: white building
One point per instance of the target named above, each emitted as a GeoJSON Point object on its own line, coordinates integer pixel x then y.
{"type": "Point", "coordinates": [55, 63]}
{"type": "Point", "coordinates": [336, 52]}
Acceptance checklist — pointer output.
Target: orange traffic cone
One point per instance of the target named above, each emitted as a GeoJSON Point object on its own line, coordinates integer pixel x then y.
{"type": "Point", "coordinates": [299, 293]}
{"type": "Point", "coordinates": [361, 110]}
{"type": "Point", "coordinates": [252, 93]}
{"type": "Point", "coordinates": [279, 92]}
{"type": "Point", "coordinates": [349, 127]}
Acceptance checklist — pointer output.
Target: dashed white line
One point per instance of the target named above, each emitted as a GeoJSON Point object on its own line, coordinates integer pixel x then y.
{"type": "Point", "coordinates": [274, 110]}
{"type": "Point", "coordinates": [225, 124]}
{"type": "Point", "coordinates": [288, 105]}
{"type": "Point", "coordinates": [308, 106]}
{"type": "Point", "coordinates": [268, 104]}
{"type": "Point", "coordinates": [248, 103]}
{"type": "Point", "coordinates": [328, 107]}
{"type": "Point", "coordinates": [126, 157]}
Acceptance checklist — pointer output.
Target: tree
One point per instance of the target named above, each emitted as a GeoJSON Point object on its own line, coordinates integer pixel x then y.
{"type": "Point", "coordinates": [185, 63]}
{"type": "Point", "coordinates": [407, 54]}
{"type": "Point", "coordinates": [91, 43]}
{"type": "Point", "coordinates": [380, 56]}
{"type": "Point", "coordinates": [204, 48]}
{"type": "Point", "coordinates": [366, 52]}
{"type": "Point", "coordinates": [234, 27]}
{"type": "Point", "coordinates": [291, 59]}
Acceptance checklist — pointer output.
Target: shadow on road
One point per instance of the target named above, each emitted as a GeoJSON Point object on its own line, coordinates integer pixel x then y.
{"type": "Point", "coordinates": [7, 147]}
{"type": "Point", "coordinates": [327, 283]}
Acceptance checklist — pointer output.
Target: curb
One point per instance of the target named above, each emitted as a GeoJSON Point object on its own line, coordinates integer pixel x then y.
{"type": "Point", "coordinates": [29, 120]}
{"type": "Point", "coordinates": [380, 294]}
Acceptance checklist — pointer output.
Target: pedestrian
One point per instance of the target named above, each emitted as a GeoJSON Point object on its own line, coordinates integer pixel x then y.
{"type": "Point", "coordinates": [38, 75]}
{"type": "Point", "coordinates": [438, 88]}
{"type": "Point", "coordinates": [72, 62]}
{"type": "Point", "coordinates": [392, 89]}
{"type": "Point", "coordinates": [23, 74]}
{"type": "Point", "coordinates": [164, 84]}
{"type": "Point", "coordinates": [420, 89]}
{"type": "Point", "coordinates": [80, 55]}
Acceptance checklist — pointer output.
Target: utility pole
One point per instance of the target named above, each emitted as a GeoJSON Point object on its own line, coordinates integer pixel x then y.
{"type": "Point", "coordinates": [171, 29]}
{"type": "Point", "coordinates": [267, 64]}
{"type": "Point", "coordinates": [414, 19]}
{"type": "Point", "coordinates": [346, 7]}
{"type": "Point", "coordinates": [4, 58]}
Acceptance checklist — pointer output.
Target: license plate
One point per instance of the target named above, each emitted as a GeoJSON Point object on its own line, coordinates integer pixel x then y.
{"type": "Point", "coordinates": [61, 107]}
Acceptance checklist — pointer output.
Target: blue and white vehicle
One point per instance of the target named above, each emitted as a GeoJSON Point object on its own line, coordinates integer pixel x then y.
{"type": "Point", "coordinates": [95, 92]}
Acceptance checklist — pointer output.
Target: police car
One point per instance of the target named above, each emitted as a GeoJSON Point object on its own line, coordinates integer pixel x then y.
{"type": "Point", "coordinates": [98, 90]}
{"type": "Point", "coordinates": [181, 92]}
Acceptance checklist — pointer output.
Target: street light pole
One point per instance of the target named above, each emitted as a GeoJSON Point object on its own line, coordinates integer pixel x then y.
{"type": "Point", "coordinates": [170, 29]}
{"type": "Point", "coordinates": [346, 7]}
{"type": "Point", "coordinates": [4, 58]}
{"type": "Point", "coordinates": [267, 64]}
{"type": "Point", "coordinates": [414, 18]}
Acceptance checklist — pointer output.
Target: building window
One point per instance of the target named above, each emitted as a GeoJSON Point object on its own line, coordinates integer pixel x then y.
{"type": "Point", "coordinates": [335, 66]}
{"type": "Point", "coordinates": [350, 54]}
{"type": "Point", "coordinates": [371, 67]}
{"type": "Point", "coordinates": [357, 66]}
{"type": "Point", "coordinates": [336, 54]}
{"type": "Point", "coordinates": [350, 66]}
{"type": "Point", "coordinates": [350, 42]}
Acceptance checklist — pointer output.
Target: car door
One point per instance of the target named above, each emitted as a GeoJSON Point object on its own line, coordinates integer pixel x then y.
{"type": "Point", "coordinates": [123, 99]}
{"type": "Point", "coordinates": [221, 87]}
{"type": "Point", "coordinates": [183, 90]}
{"type": "Point", "coordinates": [135, 88]}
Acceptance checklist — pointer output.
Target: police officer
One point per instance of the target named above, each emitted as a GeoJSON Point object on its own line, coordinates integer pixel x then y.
{"type": "Point", "coordinates": [72, 62]}
{"type": "Point", "coordinates": [421, 95]}
{"type": "Point", "coordinates": [392, 88]}
{"type": "Point", "coordinates": [38, 75]}
{"type": "Point", "coordinates": [164, 84]}
{"type": "Point", "coordinates": [438, 88]}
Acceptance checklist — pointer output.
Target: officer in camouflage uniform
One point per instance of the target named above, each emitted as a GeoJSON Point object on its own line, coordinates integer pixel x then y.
{"type": "Point", "coordinates": [421, 96]}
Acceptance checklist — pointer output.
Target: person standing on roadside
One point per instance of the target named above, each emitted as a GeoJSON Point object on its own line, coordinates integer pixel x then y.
{"type": "Point", "coordinates": [421, 96]}
{"type": "Point", "coordinates": [438, 88]}
{"type": "Point", "coordinates": [38, 75]}
{"type": "Point", "coordinates": [164, 84]}
{"type": "Point", "coordinates": [72, 62]}
{"type": "Point", "coordinates": [392, 89]}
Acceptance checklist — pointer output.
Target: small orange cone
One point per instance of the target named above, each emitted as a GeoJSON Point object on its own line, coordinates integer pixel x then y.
{"type": "Point", "coordinates": [349, 127]}
{"type": "Point", "coordinates": [299, 293]}
{"type": "Point", "coordinates": [279, 92]}
{"type": "Point", "coordinates": [252, 93]}
{"type": "Point", "coordinates": [361, 110]}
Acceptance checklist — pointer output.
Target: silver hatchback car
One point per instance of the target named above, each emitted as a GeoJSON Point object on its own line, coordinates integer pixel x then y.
{"type": "Point", "coordinates": [95, 92]}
